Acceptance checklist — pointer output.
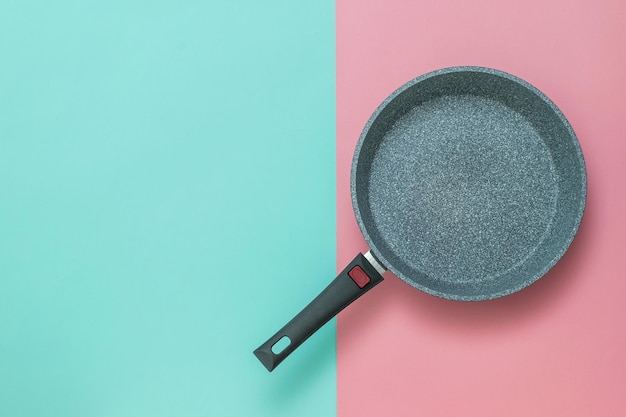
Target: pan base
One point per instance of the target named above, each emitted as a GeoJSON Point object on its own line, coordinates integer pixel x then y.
{"type": "Point", "coordinates": [474, 188]}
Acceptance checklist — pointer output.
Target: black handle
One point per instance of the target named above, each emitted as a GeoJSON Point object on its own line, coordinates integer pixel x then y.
{"type": "Point", "coordinates": [354, 281]}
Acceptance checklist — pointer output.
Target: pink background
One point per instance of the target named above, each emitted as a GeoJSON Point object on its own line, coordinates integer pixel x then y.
{"type": "Point", "coordinates": [557, 348]}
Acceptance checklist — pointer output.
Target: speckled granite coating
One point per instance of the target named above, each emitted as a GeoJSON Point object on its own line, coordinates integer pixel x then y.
{"type": "Point", "coordinates": [468, 183]}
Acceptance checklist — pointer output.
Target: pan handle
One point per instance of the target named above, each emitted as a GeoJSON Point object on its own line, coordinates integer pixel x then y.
{"type": "Point", "coordinates": [355, 280]}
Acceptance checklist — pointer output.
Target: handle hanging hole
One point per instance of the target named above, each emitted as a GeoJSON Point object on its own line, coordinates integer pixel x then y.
{"type": "Point", "coordinates": [279, 346]}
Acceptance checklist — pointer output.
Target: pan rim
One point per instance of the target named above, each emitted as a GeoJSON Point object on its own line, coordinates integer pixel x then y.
{"type": "Point", "coordinates": [547, 266]}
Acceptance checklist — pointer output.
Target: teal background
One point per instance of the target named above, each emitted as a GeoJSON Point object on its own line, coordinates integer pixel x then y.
{"type": "Point", "coordinates": [167, 193]}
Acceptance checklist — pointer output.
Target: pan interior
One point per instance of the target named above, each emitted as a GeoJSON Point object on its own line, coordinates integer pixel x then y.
{"type": "Point", "coordinates": [461, 179]}
{"type": "Point", "coordinates": [466, 203]}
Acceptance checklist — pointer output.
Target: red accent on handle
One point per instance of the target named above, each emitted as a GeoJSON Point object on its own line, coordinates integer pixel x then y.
{"type": "Point", "coordinates": [359, 276]}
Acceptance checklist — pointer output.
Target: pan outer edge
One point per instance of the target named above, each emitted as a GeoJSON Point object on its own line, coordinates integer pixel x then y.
{"type": "Point", "coordinates": [459, 297]}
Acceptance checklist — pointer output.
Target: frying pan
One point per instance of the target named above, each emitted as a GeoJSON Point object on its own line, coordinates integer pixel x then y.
{"type": "Point", "coordinates": [467, 183]}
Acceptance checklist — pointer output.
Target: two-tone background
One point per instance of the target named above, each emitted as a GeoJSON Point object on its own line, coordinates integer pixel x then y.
{"type": "Point", "coordinates": [174, 187]}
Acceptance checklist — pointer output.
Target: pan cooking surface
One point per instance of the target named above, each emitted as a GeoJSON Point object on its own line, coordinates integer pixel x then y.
{"type": "Point", "coordinates": [463, 187]}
